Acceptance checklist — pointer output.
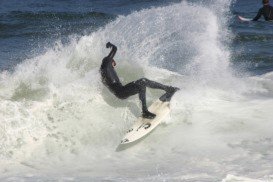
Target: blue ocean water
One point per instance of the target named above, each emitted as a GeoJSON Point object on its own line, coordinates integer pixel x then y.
{"type": "Point", "coordinates": [28, 27]}
{"type": "Point", "coordinates": [59, 123]}
{"type": "Point", "coordinates": [253, 41]}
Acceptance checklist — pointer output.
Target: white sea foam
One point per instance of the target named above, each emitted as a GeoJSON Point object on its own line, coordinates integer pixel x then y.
{"type": "Point", "coordinates": [57, 118]}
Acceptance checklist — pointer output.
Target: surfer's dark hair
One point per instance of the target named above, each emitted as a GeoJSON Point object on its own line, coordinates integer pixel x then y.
{"type": "Point", "coordinates": [265, 1]}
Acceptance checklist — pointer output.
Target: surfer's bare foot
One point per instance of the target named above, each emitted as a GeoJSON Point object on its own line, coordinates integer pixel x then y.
{"type": "Point", "coordinates": [148, 115]}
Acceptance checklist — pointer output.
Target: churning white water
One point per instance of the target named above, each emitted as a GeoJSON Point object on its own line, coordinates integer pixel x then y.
{"type": "Point", "coordinates": [58, 122]}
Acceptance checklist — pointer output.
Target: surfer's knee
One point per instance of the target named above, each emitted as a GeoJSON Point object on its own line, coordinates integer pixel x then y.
{"type": "Point", "coordinates": [142, 81]}
{"type": "Point", "coordinates": [120, 95]}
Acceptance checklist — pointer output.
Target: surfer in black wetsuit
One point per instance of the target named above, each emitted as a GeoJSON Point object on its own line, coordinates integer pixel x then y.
{"type": "Point", "coordinates": [111, 80]}
{"type": "Point", "coordinates": [266, 11]}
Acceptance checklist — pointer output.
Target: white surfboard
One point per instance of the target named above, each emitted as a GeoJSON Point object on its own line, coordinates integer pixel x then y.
{"type": "Point", "coordinates": [144, 126]}
{"type": "Point", "coordinates": [244, 19]}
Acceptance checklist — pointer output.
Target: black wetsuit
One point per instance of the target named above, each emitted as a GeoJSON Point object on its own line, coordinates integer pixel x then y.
{"type": "Point", "coordinates": [111, 80]}
{"type": "Point", "coordinates": [266, 11]}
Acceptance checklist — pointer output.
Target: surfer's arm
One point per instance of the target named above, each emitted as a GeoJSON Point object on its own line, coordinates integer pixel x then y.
{"type": "Point", "coordinates": [113, 51]}
{"type": "Point", "coordinates": [258, 16]}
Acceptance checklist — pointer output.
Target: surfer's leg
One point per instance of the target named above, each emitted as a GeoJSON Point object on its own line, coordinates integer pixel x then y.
{"type": "Point", "coordinates": [128, 90]}
{"type": "Point", "coordinates": [152, 84]}
{"type": "Point", "coordinates": [134, 88]}
{"type": "Point", "coordinates": [142, 97]}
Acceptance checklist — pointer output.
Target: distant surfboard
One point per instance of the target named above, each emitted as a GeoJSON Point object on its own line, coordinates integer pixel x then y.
{"type": "Point", "coordinates": [143, 126]}
{"type": "Point", "coordinates": [244, 19]}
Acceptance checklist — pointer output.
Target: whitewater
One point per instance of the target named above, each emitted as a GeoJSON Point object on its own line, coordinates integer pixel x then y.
{"type": "Point", "coordinates": [58, 122]}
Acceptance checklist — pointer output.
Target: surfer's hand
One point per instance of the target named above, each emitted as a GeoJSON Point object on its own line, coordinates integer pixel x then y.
{"type": "Point", "coordinates": [109, 45]}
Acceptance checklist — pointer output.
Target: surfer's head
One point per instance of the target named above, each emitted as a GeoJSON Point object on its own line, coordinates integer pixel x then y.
{"type": "Point", "coordinates": [265, 2]}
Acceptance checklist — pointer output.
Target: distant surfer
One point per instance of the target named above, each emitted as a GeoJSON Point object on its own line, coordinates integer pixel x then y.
{"type": "Point", "coordinates": [111, 80]}
{"type": "Point", "coordinates": [266, 11]}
